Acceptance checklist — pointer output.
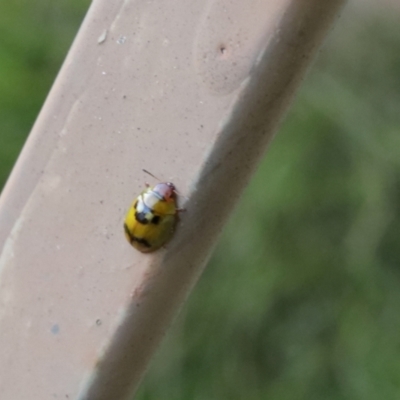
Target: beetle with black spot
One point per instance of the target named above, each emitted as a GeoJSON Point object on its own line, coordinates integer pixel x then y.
{"type": "Point", "coordinates": [151, 220]}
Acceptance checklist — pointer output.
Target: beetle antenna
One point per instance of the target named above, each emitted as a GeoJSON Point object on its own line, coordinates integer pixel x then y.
{"type": "Point", "coordinates": [147, 172]}
{"type": "Point", "coordinates": [175, 190]}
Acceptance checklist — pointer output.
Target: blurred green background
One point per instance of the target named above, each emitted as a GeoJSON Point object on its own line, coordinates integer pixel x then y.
{"type": "Point", "coordinates": [301, 299]}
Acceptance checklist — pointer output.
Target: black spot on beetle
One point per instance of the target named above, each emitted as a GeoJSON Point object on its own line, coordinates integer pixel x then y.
{"type": "Point", "coordinates": [133, 238]}
{"type": "Point", "coordinates": [128, 233]}
{"type": "Point", "coordinates": [141, 217]}
{"type": "Point", "coordinates": [155, 220]}
{"type": "Point", "coordinates": [142, 241]}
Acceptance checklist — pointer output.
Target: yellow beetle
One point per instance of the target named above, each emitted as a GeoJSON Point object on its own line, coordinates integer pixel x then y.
{"type": "Point", "coordinates": [151, 220]}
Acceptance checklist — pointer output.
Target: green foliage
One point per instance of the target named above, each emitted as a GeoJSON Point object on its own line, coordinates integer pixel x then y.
{"type": "Point", "coordinates": [35, 37]}
{"type": "Point", "coordinates": [301, 298]}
